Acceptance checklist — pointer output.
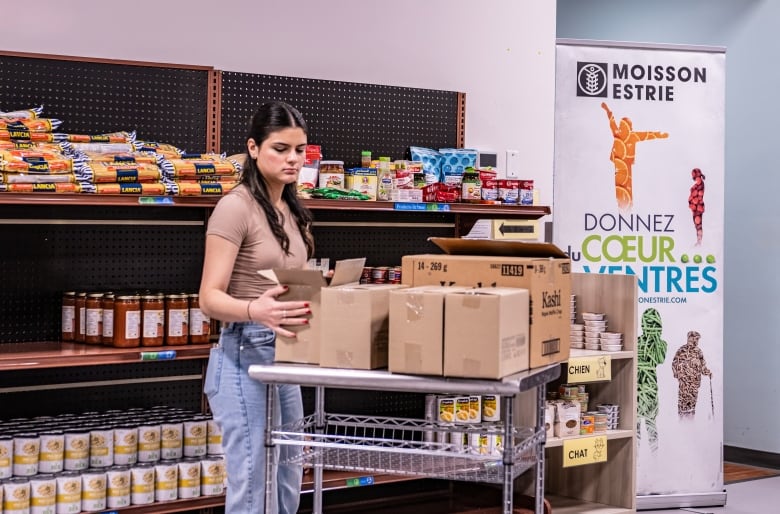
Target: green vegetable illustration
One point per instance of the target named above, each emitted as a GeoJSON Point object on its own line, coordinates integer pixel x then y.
{"type": "Point", "coordinates": [651, 351]}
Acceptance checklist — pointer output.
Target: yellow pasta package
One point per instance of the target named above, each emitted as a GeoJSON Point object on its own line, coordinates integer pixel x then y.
{"type": "Point", "coordinates": [183, 188]}
{"type": "Point", "coordinates": [66, 187]}
{"type": "Point", "coordinates": [137, 188]}
{"type": "Point", "coordinates": [102, 172]}
{"type": "Point", "coordinates": [27, 178]}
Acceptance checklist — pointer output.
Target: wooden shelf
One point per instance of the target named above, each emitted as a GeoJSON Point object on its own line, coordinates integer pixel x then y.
{"type": "Point", "coordinates": [203, 502]}
{"type": "Point", "coordinates": [486, 210]}
{"type": "Point", "coordinates": [333, 480]}
{"type": "Point", "coordinates": [564, 505]}
{"type": "Point", "coordinates": [56, 354]}
{"type": "Point", "coordinates": [625, 354]}
{"type": "Point", "coordinates": [557, 442]}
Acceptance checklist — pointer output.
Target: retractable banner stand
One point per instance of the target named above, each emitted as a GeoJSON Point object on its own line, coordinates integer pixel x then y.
{"type": "Point", "coordinates": [639, 189]}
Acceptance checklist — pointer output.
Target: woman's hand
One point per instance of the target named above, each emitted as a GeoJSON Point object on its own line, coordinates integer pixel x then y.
{"type": "Point", "coordinates": [272, 313]}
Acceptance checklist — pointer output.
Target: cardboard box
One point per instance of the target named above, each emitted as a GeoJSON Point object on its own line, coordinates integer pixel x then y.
{"type": "Point", "coordinates": [354, 325]}
{"type": "Point", "coordinates": [541, 268]}
{"type": "Point", "coordinates": [306, 285]}
{"type": "Point", "coordinates": [486, 332]}
{"type": "Point", "coordinates": [417, 330]}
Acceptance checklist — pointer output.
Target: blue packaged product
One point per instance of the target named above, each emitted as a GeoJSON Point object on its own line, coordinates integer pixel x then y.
{"type": "Point", "coordinates": [431, 162]}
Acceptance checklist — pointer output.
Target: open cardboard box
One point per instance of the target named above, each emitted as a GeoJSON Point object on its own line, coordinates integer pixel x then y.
{"type": "Point", "coordinates": [542, 268]}
{"type": "Point", "coordinates": [306, 285]}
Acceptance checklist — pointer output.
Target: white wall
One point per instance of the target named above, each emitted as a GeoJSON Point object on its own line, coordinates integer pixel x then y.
{"type": "Point", "coordinates": [499, 52]}
{"type": "Point", "coordinates": [748, 30]}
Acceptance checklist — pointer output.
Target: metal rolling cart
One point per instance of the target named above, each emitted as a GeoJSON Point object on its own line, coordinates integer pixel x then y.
{"type": "Point", "coordinates": [401, 446]}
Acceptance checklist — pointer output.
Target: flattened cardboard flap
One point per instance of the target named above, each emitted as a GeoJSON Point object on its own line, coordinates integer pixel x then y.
{"type": "Point", "coordinates": [347, 271]}
{"type": "Point", "coordinates": [458, 246]}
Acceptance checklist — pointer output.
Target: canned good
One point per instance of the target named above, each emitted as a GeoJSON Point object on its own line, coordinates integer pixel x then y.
{"type": "Point", "coordinates": [495, 440]}
{"type": "Point", "coordinates": [195, 436]}
{"type": "Point", "coordinates": [214, 434]}
{"type": "Point", "coordinates": [443, 434]}
{"type": "Point", "coordinates": [52, 452]}
{"type": "Point", "coordinates": [171, 443]}
{"type": "Point", "coordinates": [475, 409]}
{"type": "Point", "coordinates": [16, 496]}
{"type": "Point", "coordinates": [459, 441]}
{"type": "Point", "coordinates": [142, 484]}
{"type": "Point", "coordinates": [118, 487]}
{"type": "Point", "coordinates": [76, 449]}
{"type": "Point", "coordinates": [149, 442]}
{"type": "Point", "coordinates": [365, 276]}
{"type": "Point", "coordinates": [6, 456]}
{"type": "Point", "coordinates": [166, 475]}
{"type": "Point", "coordinates": [68, 485]}
{"type": "Point", "coordinates": [395, 275]}
{"type": "Point", "coordinates": [43, 494]}
{"type": "Point", "coordinates": [189, 478]}
{"type": "Point", "coordinates": [25, 456]}
{"type": "Point", "coordinates": [101, 447]}
{"type": "Point", "coordinates": [587, 422]}
{"type": "Point", "coordinates": [462, 410]}
{"type": "Point", "coordinates": [212, 476]}
{"type": "Point", "coordinates": [491, 407]}
{"type": "Point", "coordinates": [446, 409]}
{"type": "Point", "coordinates": [93, 491]}
{"type": "Point", "coordinates": [379, 275]}
{"type": "Point", "coordinates": [430, 407]}
{"type": "Point", "coordinates": [125, 445]}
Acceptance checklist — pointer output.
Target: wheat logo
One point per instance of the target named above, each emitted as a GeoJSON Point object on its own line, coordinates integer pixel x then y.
{"type": "Point", "coordinates": [592, 79]}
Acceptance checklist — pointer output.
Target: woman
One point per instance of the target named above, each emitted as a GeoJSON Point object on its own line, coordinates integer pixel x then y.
{"type": "Point", "coordinates": [259, 225]}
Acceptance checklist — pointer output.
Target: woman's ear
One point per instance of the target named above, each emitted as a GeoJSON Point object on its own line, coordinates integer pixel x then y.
{"type": "Point", "coordinates": [251, 146]}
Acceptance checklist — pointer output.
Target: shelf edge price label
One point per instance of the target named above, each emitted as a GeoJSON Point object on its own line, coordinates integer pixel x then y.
{"type": "Point", "coordinates": [360, 481]}
{"type": "Point", "coordinates": [597, 368]}
{"type": "Point", "coordinates": [155, 200]}
{"type": "Point", "coordinates": [580, 451]}
{"type": "Point", "coordinates": [166, 355]}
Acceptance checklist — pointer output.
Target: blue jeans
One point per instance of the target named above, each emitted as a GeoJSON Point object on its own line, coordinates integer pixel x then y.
{"type": "Point", "coordinates": [238, 404]}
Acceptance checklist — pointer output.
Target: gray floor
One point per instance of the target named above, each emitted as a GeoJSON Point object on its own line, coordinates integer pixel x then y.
{"type": "Point", "coordinates": [752, 497]}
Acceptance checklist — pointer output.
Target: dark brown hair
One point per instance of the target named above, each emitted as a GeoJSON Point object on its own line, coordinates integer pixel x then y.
{"type": "Point", "coordinates": [269, 118]}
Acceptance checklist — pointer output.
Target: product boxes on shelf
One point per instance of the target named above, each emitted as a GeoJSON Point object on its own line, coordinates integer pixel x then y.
{"type": "Point", "coordinates": [417, 330]}
{"type": "Point", "coordinates": [307, 285]}
{"type": "Point", "coordinates": [354, 325]}
{"type": "Point", "coordinates": [486, 332]}
{"type": "Point", "coordinates": [541, 268]}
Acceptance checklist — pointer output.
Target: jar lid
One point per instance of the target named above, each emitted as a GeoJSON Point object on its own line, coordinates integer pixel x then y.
{"type": "Point", "coordinates": [108, 296]}
{"type": "Point", "coordinates": [366, 152]}
{"type": "Point", "coordinates": [177, 296]}
{"type": "Point", "coordinates": [154, 297]}
{"type": "Point", "coordinates": [324, 163]}
{"type": "Point", "coordinates": [95, 295]}
{"type": "Point", "coordinates": [128, 297]}
{"type": "Point", "coordinates": [69, 293]}
{"type": "Point", "coordinates": [83, 293]}
{"type": "Point", "coordinates": [194, 295]}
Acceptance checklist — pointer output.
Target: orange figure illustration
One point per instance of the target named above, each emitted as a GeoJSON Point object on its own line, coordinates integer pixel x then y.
{"type": "Point", "coordinates": [696, 202]}
{"type": "Point", "coordinates": [623, 155]}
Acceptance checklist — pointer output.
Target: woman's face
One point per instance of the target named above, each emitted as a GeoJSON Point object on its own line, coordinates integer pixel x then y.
{"type": "Point", "coordinates": [280, 156]}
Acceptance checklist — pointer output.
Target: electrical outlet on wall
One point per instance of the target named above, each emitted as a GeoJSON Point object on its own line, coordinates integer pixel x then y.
{"type": "Point", "coordinates": [513, 164]}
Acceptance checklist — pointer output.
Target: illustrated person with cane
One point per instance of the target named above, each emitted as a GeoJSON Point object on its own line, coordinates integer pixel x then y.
{"type": "Point", "coordinates": [688, 367]}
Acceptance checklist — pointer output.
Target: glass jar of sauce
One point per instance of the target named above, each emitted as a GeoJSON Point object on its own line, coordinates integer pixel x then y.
{"type": "Point", "coordinates": [177, 312]}
{"type": "Point", "coordinates": [127, 321]}
{"type": "Point", "coordinates": [80, 317]}
{"type": "Point", "coordinates": [153, 320]}
{"type": "Point", "coordinates": [93, 328]}
{"type": "Point", "coordinates": [107, 303]}
{"type": "Point", "coordinates": [200, 324]}
{"type": "Point", "coordinates": [68, 315]}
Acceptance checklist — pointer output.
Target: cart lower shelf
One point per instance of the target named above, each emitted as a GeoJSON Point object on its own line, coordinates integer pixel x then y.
{"type": "Point", "coordinates": [406, 447]}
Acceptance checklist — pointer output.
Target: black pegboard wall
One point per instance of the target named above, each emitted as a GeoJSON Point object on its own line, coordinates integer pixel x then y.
{"type": "Point", "coordinates": [161, 104]}
{"type": "Point", "coordinates": [40, 261]}
{"type": "Point", "coordinates": [344, 117]}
